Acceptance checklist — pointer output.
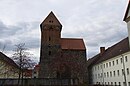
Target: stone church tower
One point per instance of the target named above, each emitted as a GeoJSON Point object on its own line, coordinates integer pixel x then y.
{"type": "Point", "coordinates": [50, 43]}
{"type": "Point", "coordinates": [60, 57]}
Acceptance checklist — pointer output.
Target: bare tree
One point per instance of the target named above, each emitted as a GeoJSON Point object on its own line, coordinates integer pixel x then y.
{"type": "Point", "coordinates": [23, 58]}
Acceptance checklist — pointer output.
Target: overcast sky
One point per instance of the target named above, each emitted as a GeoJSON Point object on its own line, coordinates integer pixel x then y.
{"type": "Point", "coordinates": [99, 22]}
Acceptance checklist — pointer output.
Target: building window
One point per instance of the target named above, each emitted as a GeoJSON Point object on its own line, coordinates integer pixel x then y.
{"type": "Point", "coordinates": [49, 45]}
{"type": "Point", "coordinates": [104, 74]}
{"type": "Point", "coordinates": [114, 73]}
{"type": "Point", "coordinates": [110, 74]}
{"type": "Point", "coordinates": [124, 84]}
{"type": "Point", "coordinates": [115, 83]}
{"type": "Point", "coordinates": [107, 74]}
{"type": "Point", "coordinates": [106, 64]}
{"type": "Point", "coordinates": [108, 83]}
{"type": "Point", "coordinates": [117, 61]}
{"type": "Point", "coordinates": [49, 38]}
{"type": "Point", "coordinates": [122, 71]}
{"type": "Point", "coordinates": [113, 63]}
{"type": "Point", "coordinates": [111, 83]}
{"type": "Point", "coordinates": [101, 66]}
{"type": "Point", "coordinates": [96, 76]}
{"type": "Point", "coordinates": [128, 83]}
{"type": "Point", "coordinates": [118, 72]}
{"type": "Point", "coordinates": [50, 21]}
{"type": "Point", "coordinates": [121, 60]}
{"type": "Point", "coordinates": [101, 75]}
{"type": "Point", "coordinates": [119, 83]}
{"type": "Point", "coordinates": [98, 67]}
{"type": "Point", "coordinates": [126, 58]}
{"type": "Point", "coordinates": [110, 64]}
{"type": "Point", "coordinates": [127, 71]}
{"type": "Point", "coordinates": [93, 76]}
{"type": "Point", "coordinates": [49, 52]}
{"type": "Point", "coordinates": [34, 72]}
{"type": "Point", "coordinates": [95, 68]}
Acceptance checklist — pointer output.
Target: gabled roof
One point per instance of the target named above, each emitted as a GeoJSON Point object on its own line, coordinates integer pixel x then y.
{"type": "Point", "coordinates": [127, 12]}
{"type": "Point", "coordinates": [115, 50]}
{"type": "Point", "coordinates": [72, 44]}
{"type": "Point", "coordinates": [6, 59]}
{"type": "Point", "coordinates": [51, 20]}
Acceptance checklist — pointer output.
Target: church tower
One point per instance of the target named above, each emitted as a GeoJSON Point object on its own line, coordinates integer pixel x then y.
{"type": "Point", "coordinates": [50, 43]}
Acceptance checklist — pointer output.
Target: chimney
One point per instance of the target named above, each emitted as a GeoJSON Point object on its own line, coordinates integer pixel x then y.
{"type": "Point", "coordinates": [102, 50]}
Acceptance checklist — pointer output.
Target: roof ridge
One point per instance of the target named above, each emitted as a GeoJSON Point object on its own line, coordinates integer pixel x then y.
{"type": "Point", "coordinates": [117, 43]}
{"type": "Point", "coordinates": [54, 16]}
{"type": "Point", "coordinates": [6, 59]}
{"type": "Point", "coordinates": [73, 38]}
{"type": "Point", "coordinates": [110, 52]}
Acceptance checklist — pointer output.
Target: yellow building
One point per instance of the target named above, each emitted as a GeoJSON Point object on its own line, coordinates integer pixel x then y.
{"type": "Point", "coordinates": [8, 68]}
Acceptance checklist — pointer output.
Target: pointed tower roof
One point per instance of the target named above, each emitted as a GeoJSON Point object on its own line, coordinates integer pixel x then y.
{"type": "Point", "coordinates": [51, 20]}
{"type": "Point", "coordinates": [127, 13]}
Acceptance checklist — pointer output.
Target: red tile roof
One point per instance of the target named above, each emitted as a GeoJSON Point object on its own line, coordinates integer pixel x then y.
{"type": "Point", "coordinates": [72, 44]}
{"type": "Point", "coordinates": [115, 50]}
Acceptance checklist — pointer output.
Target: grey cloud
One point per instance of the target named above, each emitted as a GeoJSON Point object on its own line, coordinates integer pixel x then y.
{"type": "Point", "coordinates": [31, 42]}
{"type": "Point", "coordinates": [102, 31]}
{"type": "Point", "coordinates": [19, 33]}
{"type": "Point", "coordinates": [92, 44]}
{"type": "Point", "coordinates": [6, 45]}
{"type": "Point", "coordinates": [8, 31]}
{"type": "Point", "coordinates": [98, 22]}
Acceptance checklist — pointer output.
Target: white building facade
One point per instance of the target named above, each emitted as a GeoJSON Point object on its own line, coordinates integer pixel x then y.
{"type": "Point", "coordinates": [112, 66]}
{"type": "Point", "coordinates": [111, 71]}
{"type": "Point", "coordinates": [8, 68]}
